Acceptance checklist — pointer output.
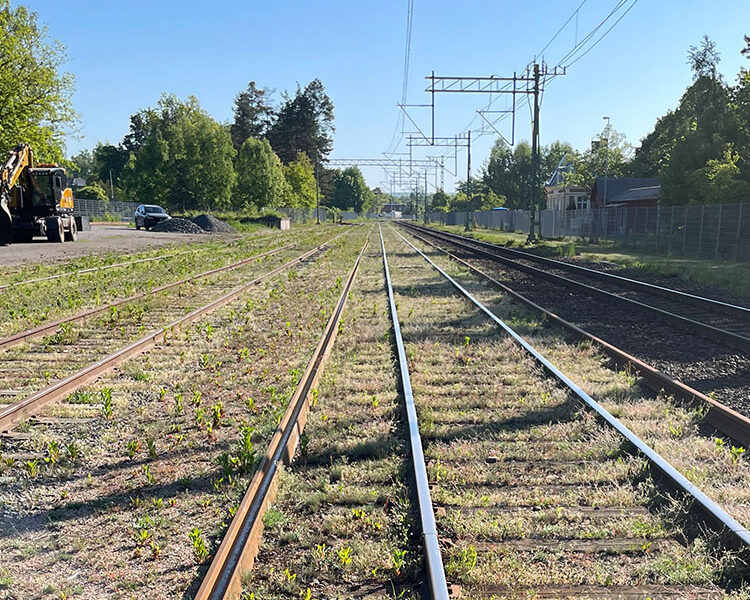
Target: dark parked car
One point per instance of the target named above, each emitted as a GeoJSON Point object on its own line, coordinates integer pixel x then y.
{"type": "Point", "coordinates": [147, 216]}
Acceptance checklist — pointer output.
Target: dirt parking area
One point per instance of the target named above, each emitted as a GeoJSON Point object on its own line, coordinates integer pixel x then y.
{"type": "Point", "coordinates": [101, 238]}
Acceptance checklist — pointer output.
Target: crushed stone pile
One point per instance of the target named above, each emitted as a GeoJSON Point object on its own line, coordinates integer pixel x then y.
{"type": "Point", "coordinates": [178, 225]}
{"type": "Point", "coordinates": [213, 225]}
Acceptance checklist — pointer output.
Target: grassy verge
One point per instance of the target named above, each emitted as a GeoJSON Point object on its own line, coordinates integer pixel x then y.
{"type": "Point", "coordinates": [733, 277]}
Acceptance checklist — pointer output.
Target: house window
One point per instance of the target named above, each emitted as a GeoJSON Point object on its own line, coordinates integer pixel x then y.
{"type": "Point", "coordinates": [582, 202]}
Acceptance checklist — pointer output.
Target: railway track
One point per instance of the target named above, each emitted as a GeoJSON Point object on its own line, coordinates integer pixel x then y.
{"type": "Point", "coordinates": [535, 495]}
{"type": "Point", "coordinates": [714, 369]}
{"type": "Point", "coordinates": [731, 423]}
{"type": "Point", "coordinates": [45, 370]}
{"type": "Point", "coordinates": [33, 302]}
{"type": "Point", "coordinates": [151, 469]}
{"type": "Point", "coordinates": [716, 320]}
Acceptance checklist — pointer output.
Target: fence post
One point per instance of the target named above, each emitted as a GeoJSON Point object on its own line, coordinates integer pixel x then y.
{"type": "Point", "coordinates": [658, 222]}
{"type": "Point", "coordinates": [700, 233]}
{"type": "Point", "coordinates": [684, 230]}
{"type": "Point", "coordinates": [671, 223]}
{"type": "Point", "coordinates": [718, 234]}
{"type": "Point", "coordinates": [737, 241]}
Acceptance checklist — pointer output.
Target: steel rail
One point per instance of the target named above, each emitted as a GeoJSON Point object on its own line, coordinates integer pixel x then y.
{"type": "Point", "coordinates": [52, 326]}
{"type": "Point", "coordinates": [739, 535]}
{"type": "Point", "coordinates": [239, 546]}
{"type": "Point", "coordinates": [709, 303]}
{"type": "Point", "coordinates": [18, 411]}
{"type": "Point", "coordinates": [433, 557]}
{"type": "Point", "coordinates": [723, 418]}
{"type": "Point", "coordinates": [721, 335]}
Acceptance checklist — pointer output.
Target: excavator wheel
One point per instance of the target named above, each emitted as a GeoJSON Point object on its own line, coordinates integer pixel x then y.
{"type": "Point", "coordinates": [72, 235]}
{"type": "Point", "coordinates": [55, 229]}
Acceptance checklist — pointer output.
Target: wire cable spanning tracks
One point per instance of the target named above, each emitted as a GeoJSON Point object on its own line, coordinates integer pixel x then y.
{"type": "Point", "coordinates": [13, 414]}
{"type": "Point", "coordinates": [53, 326]}
{"type": "Point", "coordinates": [240, 544]}
{"type": "Point", "coordinates": [736, 318]}
{"type": "Point", "coordinates": [726, 420]}
{"type": "Point", "coordinates": [736, 535]}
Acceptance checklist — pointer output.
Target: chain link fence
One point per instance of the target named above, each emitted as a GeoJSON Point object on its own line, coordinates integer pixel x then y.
{"type": "Point", "coordinates": [710, 231]}
{"type": "Point", "coordinates": [104, 210]}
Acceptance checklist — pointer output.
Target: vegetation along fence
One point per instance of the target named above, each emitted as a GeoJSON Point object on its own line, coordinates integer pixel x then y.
{"type": "Point", "coordinates": [714, 231]}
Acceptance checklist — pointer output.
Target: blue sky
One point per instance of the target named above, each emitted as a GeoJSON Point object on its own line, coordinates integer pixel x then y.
{"type": "Point", "coordinates": [125, 54]}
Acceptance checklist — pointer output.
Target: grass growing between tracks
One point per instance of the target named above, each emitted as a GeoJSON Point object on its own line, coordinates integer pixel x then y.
{"type": "Point", "coordinates": [718, 467]}
{"type": "Point", "coordinates": [159, 472]}
{"type": "Point", "coordinates": [534, 498]}
{"type": "Point", "coordinates": [730, 276]}
{"type": "Point", "coordinates": [340, 526]}
{"type": "Point", "coordinates": [32, 365]}
{"type": "Point", "coordinates": [25, 306]}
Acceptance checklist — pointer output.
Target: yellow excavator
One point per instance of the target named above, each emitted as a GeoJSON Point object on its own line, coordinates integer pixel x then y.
{"type": "Point", "coordinates": [34, 200]}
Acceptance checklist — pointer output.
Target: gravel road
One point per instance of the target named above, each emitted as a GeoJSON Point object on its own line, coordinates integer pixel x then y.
{"type": "Point", "coordinates": [101, 238]}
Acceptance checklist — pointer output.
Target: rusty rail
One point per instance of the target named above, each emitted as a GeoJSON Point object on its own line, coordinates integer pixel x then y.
{"type": "Point", "coordinates": [53, 326]}
{"type": "Point", "coordinates": [239, 546]}
{"type": "Point", "coordinates": [737, 535]}
{"type": "Point", "coordinates": [726, 420]}
{"type": "Point", "coordinates": [735, 340]}
{"type": "Point", "coordinates": [11, 415]}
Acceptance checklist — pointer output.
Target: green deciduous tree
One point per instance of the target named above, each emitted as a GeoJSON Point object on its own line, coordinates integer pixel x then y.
{"type": "Point", "coordinates": [252, 114]}
{"type": "Point", "coordinates": [439, 201]}
{"type": "Point", "coordinates": [304, 124]}
{"type": "Point", "coordinates": [300, 176]}
{"type": "Point", "coordinates": [350, 192]}
{"type": "Point", "coordinates": [35, 105]}
{"type": "Point", "coordinates": [179, 157]}
{"type": "Point", "coordinates": [260, 178]}
{"type": "Point", "coordinates": [610, 157]}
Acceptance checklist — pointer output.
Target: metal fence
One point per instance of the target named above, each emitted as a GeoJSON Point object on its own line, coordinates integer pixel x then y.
{"type": "Point", "coordinates": [109, 209]}
{"type": "Point", "coordinates": [711, 231]}
{"type": "Point", "coordinates": [124, 211]}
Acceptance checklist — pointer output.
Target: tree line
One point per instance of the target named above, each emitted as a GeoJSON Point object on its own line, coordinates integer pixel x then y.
{"type": "Point", "coordinates": [699, 152]}
{"type": "Point", "coordinates": [175, 154]}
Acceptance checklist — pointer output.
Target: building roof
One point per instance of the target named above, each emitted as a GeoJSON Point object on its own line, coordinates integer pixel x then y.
{"type": "Point", "coordinates": [558, 177]}
{"type": "Point", "coordinates": [650, 192]}
{"type": "Point", "coordinates": [619, 185]}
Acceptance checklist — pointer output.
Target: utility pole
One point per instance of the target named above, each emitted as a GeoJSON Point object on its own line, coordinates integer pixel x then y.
{"type": "Point", "coordinates": [606, 168]}
{"type": "Point", "coordinates": [534, 156]}
{"type": "Point", "coordinates": [317, 193]}
{"type": "Point", "coordinates": [426, 220]}
{"type": "Point", "coordinates": [111, 187]}
{"type": "Point", "coordinates": [505, 85]}
{"type": "Point", "coordinates": [467, 227]}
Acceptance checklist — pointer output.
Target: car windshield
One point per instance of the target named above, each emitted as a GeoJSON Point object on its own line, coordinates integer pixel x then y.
{"type": "Point", "coordinates": [153, 209]}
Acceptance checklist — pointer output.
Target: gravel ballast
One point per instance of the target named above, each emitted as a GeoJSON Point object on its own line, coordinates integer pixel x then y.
{"type": "Point", "coordinates": [178, 225]}
{"type": "Point", "coordinates": [213, 225]}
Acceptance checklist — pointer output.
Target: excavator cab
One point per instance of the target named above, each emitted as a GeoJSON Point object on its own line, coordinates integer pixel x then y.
{"type": "Point", "coordinates": [34, 200]}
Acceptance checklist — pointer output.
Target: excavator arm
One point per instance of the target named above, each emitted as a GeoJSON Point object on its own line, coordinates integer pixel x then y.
{"type": "Point", "coordinates": [20, 159]}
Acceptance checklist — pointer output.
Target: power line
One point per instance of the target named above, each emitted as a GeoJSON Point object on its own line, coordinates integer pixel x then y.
{"type": "Point", "coordinates": [405, 80]}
